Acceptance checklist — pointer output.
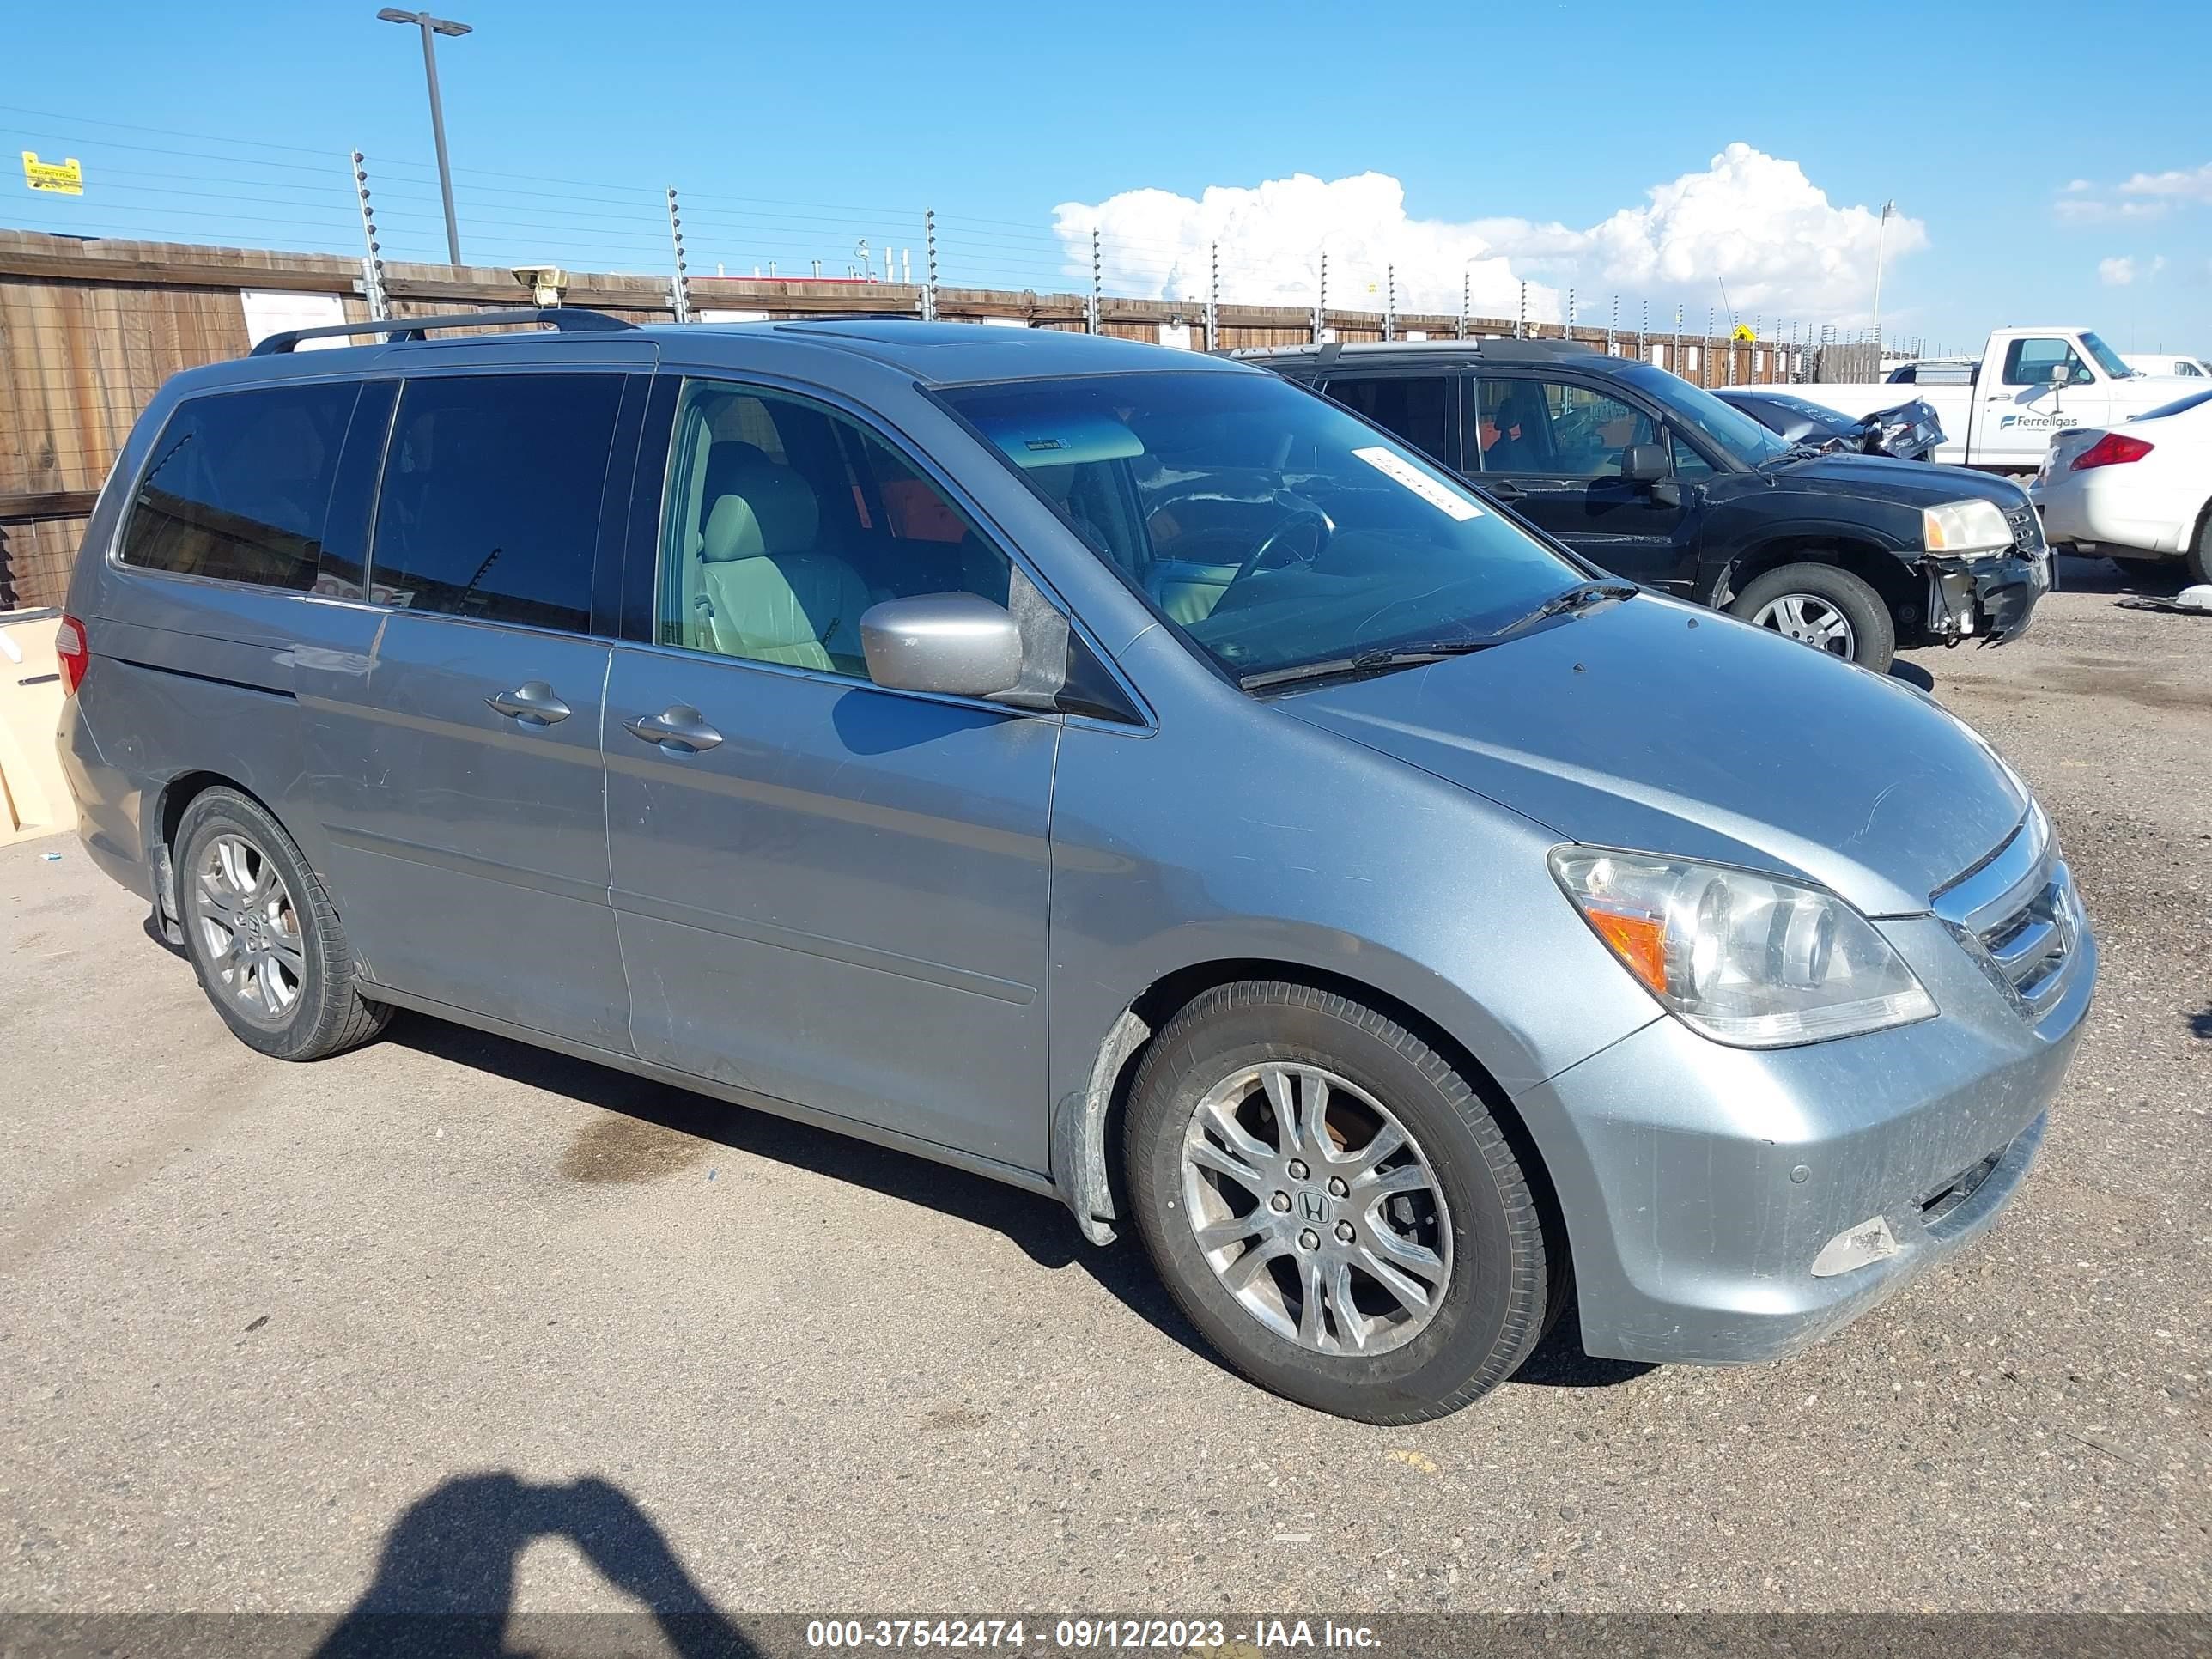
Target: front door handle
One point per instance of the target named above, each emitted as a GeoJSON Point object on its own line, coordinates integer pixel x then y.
{"type": "Point", "coordinates": [679, 727]}
{"type": "Point", "coordinates": [533, 702]}
{"type": "Point", "coordinates": [1504, 491]}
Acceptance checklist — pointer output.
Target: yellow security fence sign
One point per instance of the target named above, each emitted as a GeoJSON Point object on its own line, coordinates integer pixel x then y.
{"type": "Point", "coordinates": [55, 178]}
{"type": "Point", "coordinates": [1743, 333]}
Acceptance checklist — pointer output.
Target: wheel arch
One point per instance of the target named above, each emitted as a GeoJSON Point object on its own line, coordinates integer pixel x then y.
{"type": "Point", "coordinates": [1086, 1126]}
{"type": "Point", "coordinates": [164, 816]}
{"type": "Point", "coordinates": [1901, 586]}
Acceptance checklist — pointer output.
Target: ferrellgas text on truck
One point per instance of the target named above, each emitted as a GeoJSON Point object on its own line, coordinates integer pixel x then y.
{"type": "Point", "coordinates": [2002, 411]}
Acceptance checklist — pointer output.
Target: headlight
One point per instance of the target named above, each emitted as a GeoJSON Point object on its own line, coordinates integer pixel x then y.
{"type": "Point", "coordinates": [1750, 960]}
{"type": "Point", "coordinates": [1964, 528]}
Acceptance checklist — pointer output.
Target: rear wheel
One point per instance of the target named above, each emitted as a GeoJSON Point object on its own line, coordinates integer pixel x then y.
{"type": "Point", "coordinates": [263, 936]}
{"type": "Point", "coordinates": [1331, 1203]}
{"type": "Point", "coordinates": [1825, 606]}
{"type": "Point", "coordinates": [2200, 551]}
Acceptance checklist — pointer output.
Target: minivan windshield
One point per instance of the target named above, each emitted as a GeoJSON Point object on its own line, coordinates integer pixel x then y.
{"type": "Point", "coordinates": [1721, 425]}
{"type": "Point", "coordinates": [1275, 529]}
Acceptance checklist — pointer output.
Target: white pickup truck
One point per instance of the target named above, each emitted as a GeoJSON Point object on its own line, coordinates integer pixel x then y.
{"type": "Point", "coordinates": [2029, 384]}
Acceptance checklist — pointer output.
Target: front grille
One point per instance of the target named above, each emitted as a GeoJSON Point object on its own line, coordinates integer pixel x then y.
{"type": "Point", "coordinates": [2018, 915]}
{"type": "Point", "coordinates": [2026, 529]}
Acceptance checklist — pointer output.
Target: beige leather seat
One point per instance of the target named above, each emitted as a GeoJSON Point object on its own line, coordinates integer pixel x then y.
{"type": "Point", "coordinates": [770, 596]}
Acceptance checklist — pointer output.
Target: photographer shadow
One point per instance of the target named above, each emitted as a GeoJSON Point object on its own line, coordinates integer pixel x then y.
{"type": "Point", "coordinates": [445, 1582]}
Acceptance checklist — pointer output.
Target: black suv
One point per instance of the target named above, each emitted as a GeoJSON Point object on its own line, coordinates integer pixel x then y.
{"type": "Point", "coordinates": [1653, 479]}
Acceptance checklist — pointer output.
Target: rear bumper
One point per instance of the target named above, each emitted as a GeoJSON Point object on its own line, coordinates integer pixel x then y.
{"type": "Point", "coordinates": [2099, 512]}
{"type": "Point", "coordinates": [1701, 1185]}
{"type": "Point", "coordinates": [107, 803]}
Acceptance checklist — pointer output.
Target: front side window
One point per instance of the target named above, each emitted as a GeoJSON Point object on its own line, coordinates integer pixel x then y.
{"type": "Point", "coordinates": [2037, 361]}
{"type": "Point", "coordinates": [1555, 427]}
{"type": "Point", "coordinates": [1275, 528]}
{"type": "Point", "coordinates": [489, 507]}
{"type": "Point", "coordinates": [240, 486]}
{"type": "Point", "coordinates": [1416, 407]}
{"type": "Point", "coordinates": [785, 520]}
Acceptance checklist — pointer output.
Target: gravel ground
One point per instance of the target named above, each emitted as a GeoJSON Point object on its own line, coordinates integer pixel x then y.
{"type": "Point", "coordinates": [448, 1321]}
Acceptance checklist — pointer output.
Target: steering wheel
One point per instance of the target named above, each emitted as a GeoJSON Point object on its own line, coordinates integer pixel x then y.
{"type": "Point", "coordinates": [1324, 527]}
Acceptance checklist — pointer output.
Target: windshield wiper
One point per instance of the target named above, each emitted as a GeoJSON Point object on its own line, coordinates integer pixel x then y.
{"type": "Point", "coordinates": [1582, 594]}
{"type": "Point", "coordinates": [1796, 451]}
{"type": "Point", "coordinates": [1367, 662]}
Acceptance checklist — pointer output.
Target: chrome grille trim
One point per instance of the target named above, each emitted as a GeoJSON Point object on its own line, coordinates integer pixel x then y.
{"type": "Point", "coordinates": [2017, 915]}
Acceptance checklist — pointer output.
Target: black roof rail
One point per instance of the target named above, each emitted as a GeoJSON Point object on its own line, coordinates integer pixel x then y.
{"type": "Point", "coordinates": [568, 319]}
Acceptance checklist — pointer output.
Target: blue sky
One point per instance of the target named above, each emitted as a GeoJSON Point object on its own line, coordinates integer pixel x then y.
{"type": "Point", "coordinates": [1519, 141]}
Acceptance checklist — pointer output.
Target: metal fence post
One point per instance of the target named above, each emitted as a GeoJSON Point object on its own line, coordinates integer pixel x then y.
{"type": "Point", "coordinates": [1521, 323]}
{"type": "Point", "coordinates": [372, 262]}
{"type": "Point", "coordinates": [1570, 314]}
{"type": "Point", "coordinates": [679, 286]}
{"type": "Point", "coordinates": [1389, 302]}
{"type": "Point", "coordinates": [1090, 309]}
{"type": "Point", "coordinates": [1466, 298]}
{"type": "Point", "coordinates": [1213, 296]}
{"type": "Point", "coordinates": [1613, 331]}
{"type": "Point", "coordinates": [1320, 301]}
{"type": "Point", "coordinates": [929, 265]}
{"type": "Point", "coordinates": [1643, 335]}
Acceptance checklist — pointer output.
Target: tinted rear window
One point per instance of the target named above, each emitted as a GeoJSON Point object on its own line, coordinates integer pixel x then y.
{"type": "Point", "coordinates": [1416, 408]}
{"type": "Point", "coordinates": [240, 486]}
{"type": "Point", "coordinates": [491, 502]}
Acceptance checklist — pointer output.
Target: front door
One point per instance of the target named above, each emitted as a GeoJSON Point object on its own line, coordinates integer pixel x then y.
{"type": "Point", "coordinates": [2042, 386]}
{"type": "Point", "coordinates": [456, 762]}
{"type": "Point", "coordinates": [1553, 450]}
{"type": "Point", "coordinates": [828, 893]}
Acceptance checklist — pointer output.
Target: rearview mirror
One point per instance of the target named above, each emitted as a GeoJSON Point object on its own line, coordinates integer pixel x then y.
{"type": "Point", "coordinates": [954, 643]}
{"type": "Point", "coordinates": [1643, 463]}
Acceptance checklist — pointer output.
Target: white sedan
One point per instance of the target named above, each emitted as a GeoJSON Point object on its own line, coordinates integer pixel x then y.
{"type": "Point", "coordinates": [2139, 493]}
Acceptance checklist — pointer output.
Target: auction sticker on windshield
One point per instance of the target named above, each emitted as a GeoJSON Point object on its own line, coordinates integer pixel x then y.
{"type": "Point", "coordinates": [1437, 493]}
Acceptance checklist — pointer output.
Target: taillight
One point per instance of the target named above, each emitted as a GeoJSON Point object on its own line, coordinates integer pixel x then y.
{"type": "Point", "coordinates": [74, 655]}
{"type": "Point", "coordinates": [2110, 451]}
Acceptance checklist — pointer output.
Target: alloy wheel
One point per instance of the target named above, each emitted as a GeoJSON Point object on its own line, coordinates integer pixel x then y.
{"type": "Point", "coordinates": [1810, 620]}
{"type": "Point", "coordinates": [249, 928]}
{"type": "Point", "coordinates": [1316, 1209]}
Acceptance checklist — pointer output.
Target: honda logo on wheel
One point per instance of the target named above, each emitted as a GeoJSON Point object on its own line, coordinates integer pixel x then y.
{"type": "Point", "coordinates": [1313, 1206]}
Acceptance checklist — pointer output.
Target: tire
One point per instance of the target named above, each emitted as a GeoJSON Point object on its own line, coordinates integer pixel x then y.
{"type": "Point", "coordinates": [1456, 1194]}
{"type": "Point", "coordinates": [2200, 551]}
{"type": "Point", "coordinates": [1826, 593]}
{"type": "Point", "coordinates": [2159, 575]}
{"type": "Point", "coordinates": [284, 985]}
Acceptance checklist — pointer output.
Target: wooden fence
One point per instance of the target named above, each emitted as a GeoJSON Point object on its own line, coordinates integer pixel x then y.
{"type": "Point", "coordinates": [89, 330]}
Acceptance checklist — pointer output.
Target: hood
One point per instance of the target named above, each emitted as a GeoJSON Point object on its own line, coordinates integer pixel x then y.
{"type": "Point", "coordinates": [1657, 726]}
{"type": "Point", "coordinates": [1884, 477]}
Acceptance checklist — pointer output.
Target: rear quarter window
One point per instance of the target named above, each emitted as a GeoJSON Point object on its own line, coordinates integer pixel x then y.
{"type": "Point", "coordinates": [239, 488]}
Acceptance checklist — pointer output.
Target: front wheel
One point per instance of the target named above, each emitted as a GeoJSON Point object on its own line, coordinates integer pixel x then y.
{"type": "Point", "coordinates": [1329, 1202]}
{"type": "Point", "coordinates": [1825, 607]}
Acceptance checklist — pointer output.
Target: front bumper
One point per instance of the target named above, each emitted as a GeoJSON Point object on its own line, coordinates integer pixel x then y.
{"type": "Point", "coordinates": [1990, 599]}
{"type": "Point", "coordinates": [1700, 1184]}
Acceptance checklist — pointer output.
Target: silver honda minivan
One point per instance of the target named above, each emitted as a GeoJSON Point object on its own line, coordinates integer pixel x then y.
{"type": "Point", "coordinates": [1115, 770]}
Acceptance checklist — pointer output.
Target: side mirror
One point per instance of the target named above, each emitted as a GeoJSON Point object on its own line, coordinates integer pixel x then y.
{"type": "Point", "coordinates": [954, 643]}
{"type": "Point", "coordinates": [1643, 463]}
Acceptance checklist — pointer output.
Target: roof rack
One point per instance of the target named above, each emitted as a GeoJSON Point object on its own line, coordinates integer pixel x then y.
{"type": "Point", "coordinates": [568, 319]}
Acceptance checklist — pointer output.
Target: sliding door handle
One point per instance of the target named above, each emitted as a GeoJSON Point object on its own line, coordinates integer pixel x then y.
{"type": "Point", "coordinates": [679, 727]}
{"type": "Point", "coordinates": [1505, 491]}
{"type": "Point", "coordinates": [533, 702]}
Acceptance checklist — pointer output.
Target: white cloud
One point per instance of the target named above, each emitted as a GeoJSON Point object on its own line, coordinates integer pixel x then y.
{"type": "Point", "coordinates": [2194, 185]}
{"type": "Point", "coordinates": [2074, 187]}
{"type": "Point", "coordinates": [2117, 272]}
{"type": "Point", "coordinates": [1750, 219]}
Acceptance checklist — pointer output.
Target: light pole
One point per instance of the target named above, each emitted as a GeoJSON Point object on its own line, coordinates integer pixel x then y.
{"type": "Point", "coordinates": [433, 26]}
{"type": "Point", "coordinates": [1880, 245]}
